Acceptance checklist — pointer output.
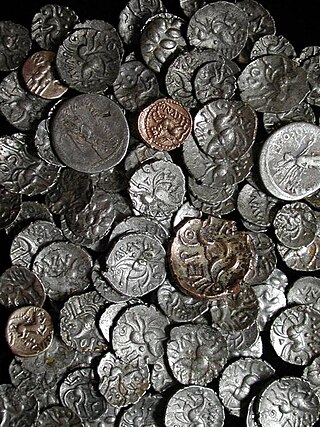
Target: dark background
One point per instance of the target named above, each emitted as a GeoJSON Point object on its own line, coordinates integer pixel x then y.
{"type": "Point", "coordinates": [297, 21]}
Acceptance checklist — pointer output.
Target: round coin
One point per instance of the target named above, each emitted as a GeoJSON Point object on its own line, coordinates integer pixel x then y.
{"type": "Point", "coordinates": [15, 44]}
{"type": "Point", "coordinates": [29, 331]}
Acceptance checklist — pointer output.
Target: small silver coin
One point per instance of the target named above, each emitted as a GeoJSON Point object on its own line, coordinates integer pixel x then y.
{"type": "Point", "coordinates": [103, 286]}
{"type": "Point", "coordinates": [58, 416]}
{"type": "Point", "coordinates": [305, 290]}
{"type": "Point", "coordinates": [16, 409]}
{"type": "Point", "coordinates": [9, 208]}
{"type": "Point", "coordinates": [240, 341]}
{"type": "Point", "coordinates": [108, 317]}
{"type": "Point", "coordinates": [272, 44]}
{"type": "Point", "coordinates": [264, 259]}
{"type": "Point", "coordinates": [15, 44]}
{"type": "Point", "coordinates": [277, 279]}
{"type": "Point", "coordinates": [42, 141]}
{"type": "Point", "coordinates": [310, 62]}
{"type": "Point", "coordinates": [311, 374]}
{"type": "Point", "coordinates": [271, 300]}
{"type": "Point", "coordinates": [161, 378]}
{"type": "Point", "coordinates": [30, 211]}
{"type": "Point", "coordinates": [143, 413]}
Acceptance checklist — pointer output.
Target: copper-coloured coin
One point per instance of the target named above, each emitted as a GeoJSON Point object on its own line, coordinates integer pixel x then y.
{"type": "Point", "coordinates": [39, 76]}
{"type": "Point", "coordinates": [165, 124]}
{"type": "Point", "coordinates": [210, 258]}
{"type": "Point", "coordinates": [29, 331]}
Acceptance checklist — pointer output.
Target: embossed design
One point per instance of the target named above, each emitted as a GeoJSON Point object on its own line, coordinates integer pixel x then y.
{"type": "Point", "coordinates": [9, 208]}
{"type": "Point", "coordinates": [311, 374]}
{"type": "Point", "coordinates": [15, 44]}
{"type": "Point", "coordinates": [16, 408]}
{"type": "Point", "coordinates": [56, 416]}
{"type": "Point", "coordinates": [264, 260]}
{"type": "Point", "coordinates": [29, 331]}
{"type": "Point", "coordinates": [165, 124]}
{"type": "Point", "coordinates": [272, 44]}
{"type": "Point", "coordinates": [142, 413]}
{"type": "Point", "coordinates": [209, 258]}
{"type": "Point", "coordinates": [260, 20]}
{"type": "Point", "coordinates": [161, 378]}
{"type": "Point", "coordinates": [271, 300]}
{"type": "Point", "coordinates": [305, 290]}
{"type": "Point", "coordinates": [30, 211]}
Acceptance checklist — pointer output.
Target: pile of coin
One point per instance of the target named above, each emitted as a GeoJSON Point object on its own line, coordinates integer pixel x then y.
{"type": "Point", "coordinates": [160, 183]}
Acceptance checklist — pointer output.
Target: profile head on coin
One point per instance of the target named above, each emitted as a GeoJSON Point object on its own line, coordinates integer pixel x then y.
{"type": "Point", "coordinates": [29, 331]}
{"type": "Point", "coordinates": [210, 258]}
{"type": "Point", "coordinates": [165, 124]}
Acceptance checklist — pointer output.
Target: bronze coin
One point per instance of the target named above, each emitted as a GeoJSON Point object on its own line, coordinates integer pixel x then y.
{"type": "Point", "coordinates": [29, 331]}
{"type": "Point", "coordinates": [165, 124]}
{"type": "Point", "coordinates": [210, 258]}
{"type": "Point", "coordinates": [39, 76]}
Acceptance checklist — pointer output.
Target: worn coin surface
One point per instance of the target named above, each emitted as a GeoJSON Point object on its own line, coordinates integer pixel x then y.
{"type": "Point", "coordinates": [161, 377]}
{"type": "Point", "coordinates": [272, 44]}
{"type": "Point", "coordinates": [15, 44]}
{"type": "Point", "coordinates": [9, 208]}
{"type": "Point", "coordinates": [264, 258]}
{"type": "Point", "coordinates": [90, 133]}
{"type": "Point", "coordinates": [305, 290]}
{"type": "Point", "coordinates": [165, 124]}
{"type": "Point", "coordinates": [58, 416]}
{"type": "Point", "coordinates": [311, 374]}
{"type": "Point", "coordinates": [143, 413]}
{"type": "Point", "coordinates": [29, 331]}
{"type": "Point", "coordinates": [42, 142]}
{"type": "Point", "coordinates": [30, 211]}
{"type": "Point", "coordinates": [271, 300]}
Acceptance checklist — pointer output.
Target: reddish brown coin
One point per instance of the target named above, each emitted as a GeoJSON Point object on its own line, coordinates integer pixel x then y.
{"type": "Point", "coordinates": [29, 331]}
{"type": "Point", "coordinates": [165, 124]}
{"type": "Point", "coordinates": [210, 258]}
{"type": "Point", "coordinates": [39, 77]}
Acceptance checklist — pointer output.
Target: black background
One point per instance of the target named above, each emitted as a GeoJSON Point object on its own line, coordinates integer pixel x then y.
{"type": "Point", "coordinates": [297, 21]}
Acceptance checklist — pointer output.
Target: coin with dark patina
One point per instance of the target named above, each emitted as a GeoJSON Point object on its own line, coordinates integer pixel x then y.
{"type": "Point", "coordinates": [15, 44]}
{"type": "Point", "coordinates": [38, 75]}
{"type": "Point", "coordinates": [210, 258]}
{"type": "Point", "coordinates": [165, 124]}
{"type": "Point", "coordinates": [90, 133]}
{"type": "Point", "coordinates": [29, 331]}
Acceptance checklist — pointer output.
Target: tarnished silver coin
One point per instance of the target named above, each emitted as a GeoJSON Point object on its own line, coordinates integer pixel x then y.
{"type": "Point", "coordinates": [78, 393]}
{"type": "Point", "coordinates": [177, 306]}
{"type": "Point", "coordinates": [295, 336]}
{"type": "Point", "coordinates": [9, 208]}
{"type": "Point", "coordinates": [111, 180]}
{"type": "Point", "coordinates": [58, 416]}
{"type": "Point", "coordinates": [271, 300]}
{"type": "Point", "coordinates": [143, 413]}
{"type": "Point", "coordinates": [240, 341]}
{"type": "Point", "coordinates": [88, 60]}
{"type": "Point", "coordinates": [15, 44]}
{"type": "Point", "coordinates": [186, 211]}
{"type": "Point", "coordinates": [139, 335]}
{"type": "Point", "coordinates": [288, 401]}
{"type": "Point", "coordinates": [311, 374]}
{"type": "Point", "coordinates": [300, 113]}
{"type": "Point", "coordinates": [161, 378]}
{"type": "Point", "coordinates": [108, 317]}
{"type": "Point", "coordinates": [135, 86]}
{"type": "Point", "coordinates": [220, 26]}
{"type": "Point", "coordinates": [135, 265]}
{"type": "Point", "coordinates": [305, 290]}
{"type": "Point", "coordinates": [235, 313]}
{"type": "Point", "coordinates": [103, 286]}
{"type": "Point", "coordinates": [272, 44]}
{"type": "Point", "coordinates": [309, 60]}
{"type": "Point", "coordinates": [19, 287]}
{"type": "Point", "coordinates": [290, 170]}
{"type": "Point", "coordinates": [189, 7]}
{"type": "Point", "coordinates": [30, 211]}
{"type": "Point", "coordinates": [295, 225]}
{"type": "Point", "coordinates": [21, 170]}
{"type": "Point", "coordinates": [42, 141]}
{"type": "Point", "coordinates": [194, 404]}
{"type": "Point", "coordinates": [32, 238]}
{"type": "Point", "coordinates": [216, 209]}
{"type": "Point", "coordinates": [78, 323]}
{"type": "Point", "coordinates": [196, 353]}
{"type": "Point", "coordinates": [277, 279]}
{"type": "Point", "coordinates": [239, 380]}
{"type": "Point", "coordinates": [157, 189]}
{"type": "Point", "coordinates": [63, 268]}
{"type": "Point", "coordinates": [51, 24]}
{"type": "Point", "coordinates": [120, 383]}
{"type": "Point", "coordinates": [251, 418]}
{"type": "Point", "coordinates": [90, 133]}
{"type": "Point", "coordinates": [20, 108]}
{"type": "Point", "coordinates": [161, 38]}
{"type": "Point", "coordinates": [133, 17]}
{"type": "Point", "coordinates": [16, 409]}
{"type": "Point", "coordinates": [210, 194]}
{"type": "Point", "coordinates": [264, 258]}
{"type": "Point", "coordinates": [266, 82]}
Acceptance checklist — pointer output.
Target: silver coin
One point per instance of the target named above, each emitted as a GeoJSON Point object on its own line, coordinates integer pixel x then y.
{"type": "Point", "coordinates": [80, 129]}
{"type": "Point", "coordinates": [135, 86]}
{"type": "Point", "coordinates": [210, 194]}
{"type": "Point", "coordinates": [141, 153]}
{"type": "Point", "coordinates": [63, 268]}
{"type": "Point", "coordinates": [108, 317]}
{"type": "Point", "coordinates": [142, 413]}
{"type": "Point", "coordinates": [186, 211]}
{"type": "Point", "coordinates": [288, 401]}
{"type": "Point", "coordinates": [21, 171]}
{"type": "Point", "coordinates": [294, 334]}
{"type": "Point", "coordinates": [15, 44]}
{"type": "Point", "coordinates": [161, 378]}
{"type": "Point", "coordinates": [107, 419]}
{"type": "Point", "coordinates": [277, 279]}
{"type": "Point", "coordinates": [78, 323]}
{"type": "Point", "coordinates": [189, 7]}
{"type": "Point", "coordinates": [311, 374]}
{"type": "Point", "coordinates": [135, 265]}
{"type": "Point", "coordinates": [78, 393]}
{"type": "Point", "coordinates": [177, 306]}
{"type": "Point", "coordinates": [31, 239]}
{"type": "Point", "coordinates": [255, 350]}
{"type": "Point", "coordinates": [157, 189]}
{"type": "Point", "coordinates": [42, 141]}
{"type": "Point", "coordinates": [225, 129]}
{"type": "Point", "coordinates": [19, 287]}
{"type": "Point", "coordinates": [102, 285]}
{"type": "Point", "coordinates": [261, 84]}
{"type": "Point", "coordinates": [30, 211]}
{"type": "Point", "coordinates": [272, 44]}
{"type": "Point", "coordinates": [133, 17]}
{"type": "Point", "coordinates": [300, 113]}
{"type": "Point", "coordinates": [196, 353]}
{"type": "Point", "coordinates": [240, 341]}
{"type": "Point", "coordinates": [239, 380]}
{"type": "Point", "coordinates": [194, 404]}
{"type": "Point", "coordinates": [217, 209]}
{"type": "Point", "coordinates": [264, 259]}
{"type": "Point", "coordinates": [161, 38]}
{"type": "Point", "coordinates": [16, 409]}
{"type": "Point", "coordinates": [310, 62]}
{"type": "Point", "coordinates": [235, 313]}
{"type": "Point", "coordinates": [271, 300]}
{"type": "Point", "coordinates": [120, 383]}
{"type": "Point", "coordinates": [251, 418]}
{"type": "Point", "coordinates": [9, 208]}
{"type": "Point", "coordinates": [112, 180]}
{"type": "Point", "coordinates": [139, 335]}
{"type": "Point", "coordinates": [305, 290]}
{"type": "Point", "coordinates": [295, 225]}
{"type": "Point", "coordinates": [51, 24]}
{"type": "Point", "coordinates": [232, 34]}
{"type": "Point", "coordinates": [58, 416]}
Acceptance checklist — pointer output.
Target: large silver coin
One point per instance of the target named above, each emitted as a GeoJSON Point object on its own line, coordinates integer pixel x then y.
{"type": "Point", "coordinates": [90, 133]}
